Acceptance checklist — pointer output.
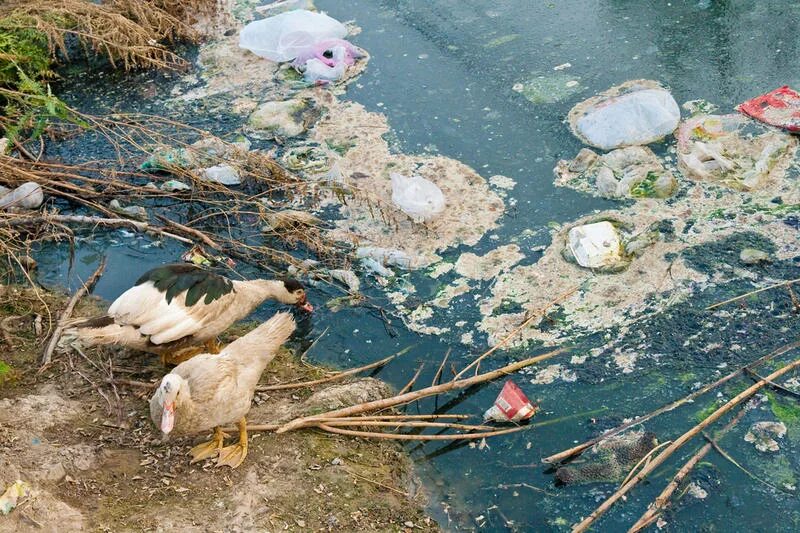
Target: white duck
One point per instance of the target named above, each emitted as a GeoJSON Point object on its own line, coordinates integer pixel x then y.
{"type": "Point", "coordinates": [416, 196]}
{"type": "Point", "coordinates": [177, 306]}
{"type": "Point", "coordinates": [212, 390]}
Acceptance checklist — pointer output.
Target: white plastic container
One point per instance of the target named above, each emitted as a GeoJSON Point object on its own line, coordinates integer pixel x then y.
{"type": "Point", "coordinates": [595, 245]}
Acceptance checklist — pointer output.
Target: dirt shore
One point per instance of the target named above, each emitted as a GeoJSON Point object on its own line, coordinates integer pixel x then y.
{"type": "Point", "coordinates": [95, 462]}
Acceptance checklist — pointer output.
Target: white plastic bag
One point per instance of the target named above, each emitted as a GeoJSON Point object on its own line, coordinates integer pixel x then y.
{"type": "Point", "coordinates": [316, 71]}
{"type": "Point", "coordinates": [634, 113]}
{"type": "Point", "coordinates": [417, 197]}
{"type": "Point", "coordinates": [284, 36]}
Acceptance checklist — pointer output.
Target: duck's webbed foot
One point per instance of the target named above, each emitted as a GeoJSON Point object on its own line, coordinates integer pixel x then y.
{"type": "Point", "coordinates": [234, 455]}
{"type": "Point", "coordinates": [208, 449]}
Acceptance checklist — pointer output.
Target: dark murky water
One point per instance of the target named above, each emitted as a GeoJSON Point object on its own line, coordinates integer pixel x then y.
{"type": "Point", "coordinates": [443, 73]}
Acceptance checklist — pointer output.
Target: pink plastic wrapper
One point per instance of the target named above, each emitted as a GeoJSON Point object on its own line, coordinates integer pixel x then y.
{"type": "Point", "coordinates": [780, 108]}
{"type": "Point", "coordinates": [511, 405]}
{"type": "Point", "coordinates": [317, 51]}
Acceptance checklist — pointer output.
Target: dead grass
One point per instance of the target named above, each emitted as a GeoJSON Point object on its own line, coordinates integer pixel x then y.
{"type": "Point", "coordinates": [129, 33]}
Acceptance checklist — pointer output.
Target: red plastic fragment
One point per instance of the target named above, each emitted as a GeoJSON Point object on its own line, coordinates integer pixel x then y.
{"type": "Point", "coordinates": [780, 108]}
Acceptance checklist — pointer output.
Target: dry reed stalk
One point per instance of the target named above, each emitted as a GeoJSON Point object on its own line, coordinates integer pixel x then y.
{"type": "Point", "coordinates": [126, 32]}
{"type": "Point", "coordinates": [407, 397]}
{"type": "Point", "coordinates": [335, 377]}
{"type": "Point", "coordinates": [402, 436]}
{"type": "Point", "coordinates": [677, 444]}
{"type": "Point", "coordinates": [406, 423]}
{"type": "Point", "coordinates": [662, 500]}
{"type": "Point", "coordinates": [751, 293]}
{"type": "Point", "coordinates": [54, 338]}
{"type": "Point", "coordinates": [575, 450]}
{"type": "Point", "coordinates": [536, 314]}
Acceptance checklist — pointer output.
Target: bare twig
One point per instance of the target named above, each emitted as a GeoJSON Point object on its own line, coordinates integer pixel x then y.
{"type": "Point", "coordinates": [378, 483]}
{"type": "Point", "coordinates": [410, 384]}
{"type": "Point", "coordinates": [334, 377]}
{"type": "Point", "coordinates": [575, 450]}
{"type": "Point", "coordinates": [403, 436]}
{"type": "Point", "coordinates": [438, 375]}
{"type": "Point", "coordinates": [418, 394]}
{"type": "Point", "coordinates": [54, 338]}
{"type": "Point", "coordinates": [751, 293]}
{"type": "Point", "coordinates": [775, 386]}
{"type": "Point", "coordinates": [584, 524]}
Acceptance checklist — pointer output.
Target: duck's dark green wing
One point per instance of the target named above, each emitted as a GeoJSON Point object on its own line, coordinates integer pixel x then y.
{"type": "Point", "coordinates": [197, 282]}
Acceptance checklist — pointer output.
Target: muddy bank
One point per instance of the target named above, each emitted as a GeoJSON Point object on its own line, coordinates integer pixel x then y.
{"type": "Point", "coordinates": [95, 462]}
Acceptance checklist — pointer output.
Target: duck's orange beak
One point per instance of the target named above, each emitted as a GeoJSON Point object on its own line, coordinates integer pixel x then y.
{"type": "Point", "coordinates": [168, 417]}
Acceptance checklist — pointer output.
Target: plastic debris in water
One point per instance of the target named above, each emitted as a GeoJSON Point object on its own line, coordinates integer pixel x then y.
{"type": "Point", "coordinates": [9, 499]}
{"type": "Point", "coordinates": [595, 245]}
{"type": "Point", "coordinates": [511, 405]}
{"type": "Point", "coordinates": [283, 37]}
{"type": "Point", "coordinates": [222, 174]}
{"type": "Point", "coordinates": [174, 185]}
{"type": "Point", "coordinates": [388, 256]}
{"type": "Point", "coordinates": [29, 195]}
{"type": "Point", "coordinates": [634, 113]}
{"type": "Point", "coordinates": [419, 198]}
{"type": "Point", "coordinates": [780, 108]}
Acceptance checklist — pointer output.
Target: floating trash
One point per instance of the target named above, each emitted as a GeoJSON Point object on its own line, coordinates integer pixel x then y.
{"type": "Point", "coordinates": [732, 150]}
{"type": "Point", "coordinates": [634, 113]}
{"type": "Point", "coordinates": [419, 198]}
{"type": "Point", "coordinates": [630, 172]}
{"type": "Point", "coordinates": [780, 108]}
{"type": "Point", "coordinates": [595, 245]}
{"type": "Point", "coordinates": [511, 405]}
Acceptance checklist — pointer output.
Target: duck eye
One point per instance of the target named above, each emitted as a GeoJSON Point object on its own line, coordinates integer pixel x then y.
{"type": "Point", "coordinates": [327, 54]}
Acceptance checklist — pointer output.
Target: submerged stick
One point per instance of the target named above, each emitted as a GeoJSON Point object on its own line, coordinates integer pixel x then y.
{"type": "Point", "coordinates": [680, 441]}
{"type": "Point", "coordinates": [56, 336]}
{"type": "Point", "coordinates": [335, 377]}
{"type": "Point", "coordinates": [751, 293]}
{"type": "Point", "coordinates": [418, 394]}
{"type": "Point", "coordinates": [660, 503]}
{"type": "Point", "coordinates": [575, 450]}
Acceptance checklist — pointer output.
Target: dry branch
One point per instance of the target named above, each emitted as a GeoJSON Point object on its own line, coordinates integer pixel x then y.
{"type": "Point", "coordinates": [575, 450]}
{"type": "Point", "coordinates": [537, 314]}
{"type": "Point", "coordinates": [54, 338]}
{"type": "Point", "coordinates": [401, 436]}
{"type": "Point", "coordinates": [751, 293]}
{"type": "Point", "coordinates": [335, 377]}
{"type": "Point", "coordinates": [678, 443]}
{"type": "Point", "coordinates": [418, 394]}
{"type": "Point", "coordinates": [658, 505]}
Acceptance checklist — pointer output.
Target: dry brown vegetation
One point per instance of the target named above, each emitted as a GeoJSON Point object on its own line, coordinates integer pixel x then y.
{"type": "Point", "coordinates": [129, 33]}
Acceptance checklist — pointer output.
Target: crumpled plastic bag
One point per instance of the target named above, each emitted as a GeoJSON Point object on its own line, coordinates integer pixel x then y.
{"type": "Point", "coordinates": [419, 198]}
{"type": "Point", "coordinates": [284, 36]}
{"type": "Point", "coordinates": [637, 112]}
